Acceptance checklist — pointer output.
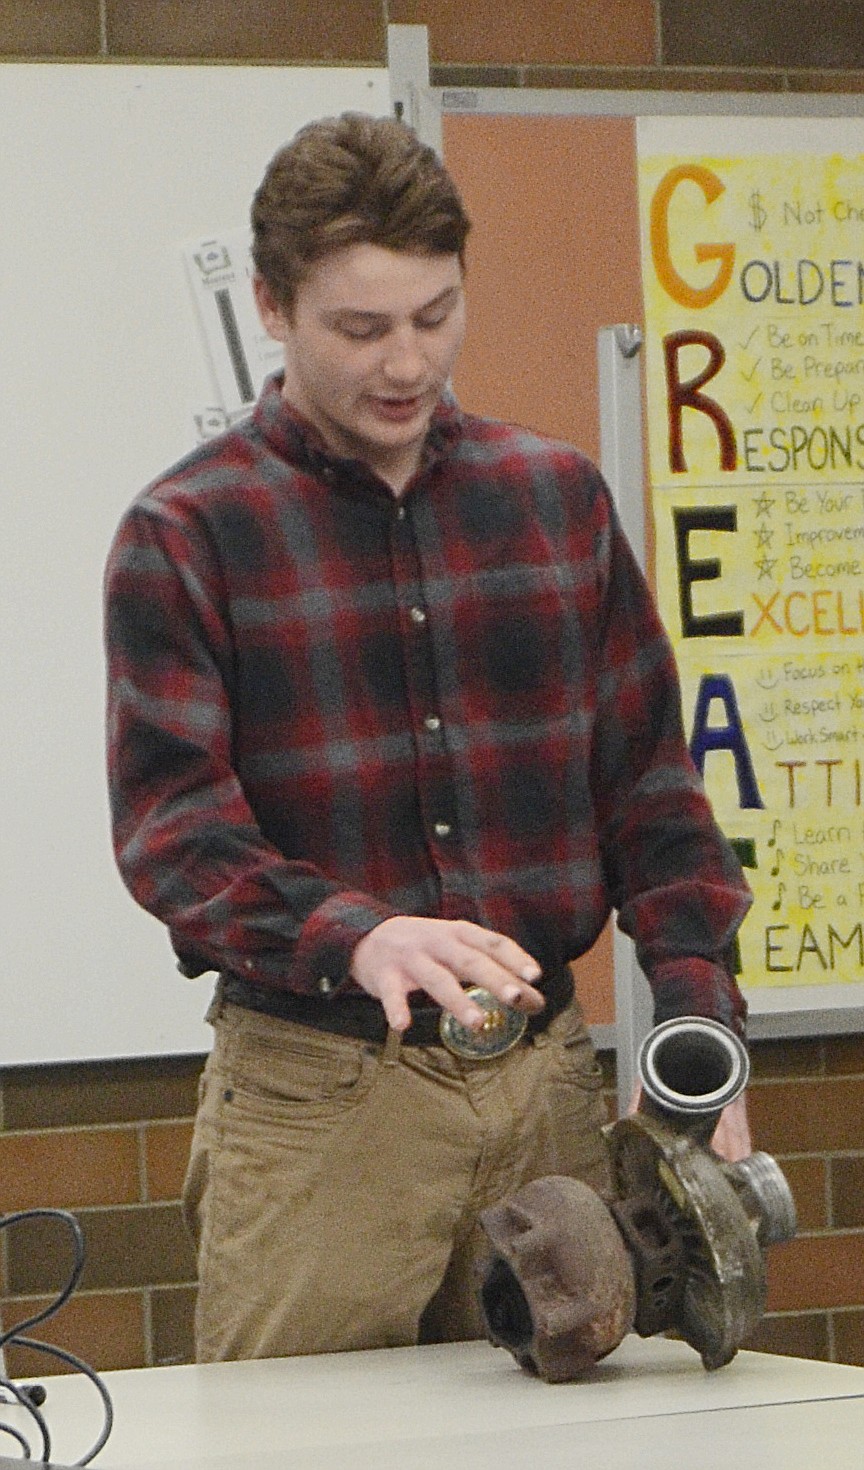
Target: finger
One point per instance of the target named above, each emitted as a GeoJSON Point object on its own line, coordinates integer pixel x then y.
{"type": "Point", "coordinates": [500, 948]}
{"type": "Point", "coordinates": [392, 995]}
{"type": "Point", "coordinates": [441, 985]}
{"type": "Point", "coordinates": [425, 974]}
{"type": "Point", "coordinates": [474, 967]}
{"type": "Point", "coordinates": [519, 997]}
{"type": "Point", "coordinates": [732, 1136]}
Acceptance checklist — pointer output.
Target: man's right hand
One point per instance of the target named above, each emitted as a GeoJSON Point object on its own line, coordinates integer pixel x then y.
{"type": "Point", "coordinates": [441, 956]}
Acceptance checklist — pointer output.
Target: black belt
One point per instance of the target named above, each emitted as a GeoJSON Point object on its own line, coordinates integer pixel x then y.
{"type": "Point", "coordinates": [362, 1017]}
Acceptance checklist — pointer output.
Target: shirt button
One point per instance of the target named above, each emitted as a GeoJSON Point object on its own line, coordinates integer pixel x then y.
{"type": "Point", "coordinates": [248, 964]}
{"type": "Point", "coordinates": [401, 513]}
{"type": "Point", "coordinates": [432, 722]}
{"type": "Point", "coordinates": [417, 615]}
{"type": "Point", "coordinates": [443, 829]}
{"type": "Point", "coordinates": [325, 985]}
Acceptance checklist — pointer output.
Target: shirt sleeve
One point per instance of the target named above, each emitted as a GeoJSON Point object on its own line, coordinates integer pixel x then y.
{"type": "Point", "coordinates": [186, 840]}
{"type": "Point", "coordinates": [674, 878]}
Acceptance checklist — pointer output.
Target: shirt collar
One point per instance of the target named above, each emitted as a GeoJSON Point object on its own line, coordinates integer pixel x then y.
{"type": "Point", "coordinates": [298, 441]}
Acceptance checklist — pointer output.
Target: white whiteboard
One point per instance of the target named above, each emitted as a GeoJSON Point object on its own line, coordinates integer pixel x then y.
{"type": "Point", "coordinates": [105, 172]}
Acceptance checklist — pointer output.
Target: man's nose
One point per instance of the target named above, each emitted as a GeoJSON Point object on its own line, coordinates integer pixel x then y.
{"type": "Point", "coordinates": [403, 360]}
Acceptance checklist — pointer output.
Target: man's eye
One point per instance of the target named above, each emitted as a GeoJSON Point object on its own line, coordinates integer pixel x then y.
{"type": "Point", "coordinates": [428, 323]}
{"type": "Point", "coordinates": [360, 331]}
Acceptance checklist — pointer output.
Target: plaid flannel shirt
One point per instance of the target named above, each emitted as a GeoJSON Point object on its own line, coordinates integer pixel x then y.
{"type": "Point", "coordinates": [328, 706]}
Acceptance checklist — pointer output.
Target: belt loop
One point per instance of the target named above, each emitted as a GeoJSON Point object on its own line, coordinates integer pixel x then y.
{"type": "Point", "coordinates": [392, 1047]}
{"type": "Point", "coordinates": [216, 1009]}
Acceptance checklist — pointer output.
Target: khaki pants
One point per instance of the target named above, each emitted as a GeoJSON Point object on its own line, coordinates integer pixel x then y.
{"type": "Point", "coordinates": [334, 1186]}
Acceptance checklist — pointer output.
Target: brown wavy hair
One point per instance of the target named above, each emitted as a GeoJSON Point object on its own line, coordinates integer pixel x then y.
{"type": "Point", "coordinates": [352, 180]}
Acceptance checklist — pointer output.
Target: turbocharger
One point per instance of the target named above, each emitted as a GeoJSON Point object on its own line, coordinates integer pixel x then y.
{"type": "Point", "coordinates": [678, 1245]}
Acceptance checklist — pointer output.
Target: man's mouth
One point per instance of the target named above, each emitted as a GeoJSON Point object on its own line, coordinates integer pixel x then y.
{"type": "Point", "coordinates": [398, 410]}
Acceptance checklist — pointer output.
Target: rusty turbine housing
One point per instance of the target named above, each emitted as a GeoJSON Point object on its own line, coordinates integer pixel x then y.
{"type": "Point", "coordinates": [677, 1246]}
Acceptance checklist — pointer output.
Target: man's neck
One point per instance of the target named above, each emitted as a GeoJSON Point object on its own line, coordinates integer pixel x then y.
{"type": "Point", "coordinates": [396, 467]}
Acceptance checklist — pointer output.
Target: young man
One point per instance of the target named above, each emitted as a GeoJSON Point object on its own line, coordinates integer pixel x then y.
{"type": "Point", "coordinates": [391, 718]}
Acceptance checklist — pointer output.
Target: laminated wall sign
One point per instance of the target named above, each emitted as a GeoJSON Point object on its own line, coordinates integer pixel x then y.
{"type": "Point", "coordinates": [241, 355]}
{"type": "Point", "coordinates": [753, 279]}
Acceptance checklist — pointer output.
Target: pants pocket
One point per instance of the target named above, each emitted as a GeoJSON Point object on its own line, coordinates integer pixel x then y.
{"type": "Point", "coordinates": [577, 1060]}
{"type": "Point", "coordinates": [273, 1071]}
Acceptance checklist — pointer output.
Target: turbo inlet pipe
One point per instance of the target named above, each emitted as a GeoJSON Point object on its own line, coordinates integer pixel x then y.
{"type": "Point", "coordinates": [690, 1069]}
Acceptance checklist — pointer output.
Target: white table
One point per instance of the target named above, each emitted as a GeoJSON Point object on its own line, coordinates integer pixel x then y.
{"type": "Point", "coordinates": [649, 1406]}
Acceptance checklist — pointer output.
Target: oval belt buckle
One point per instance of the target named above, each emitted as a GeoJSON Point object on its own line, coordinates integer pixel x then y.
{"type": "Point", "coordinates": [502, 1029]}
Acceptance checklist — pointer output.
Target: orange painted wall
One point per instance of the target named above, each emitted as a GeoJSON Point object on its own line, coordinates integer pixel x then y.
{"type": "Point", "coordinates": [553, 256]}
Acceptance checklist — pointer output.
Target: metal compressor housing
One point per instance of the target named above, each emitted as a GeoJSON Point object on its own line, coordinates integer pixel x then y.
{"type": "Point", "coordinates": [679, 1245]}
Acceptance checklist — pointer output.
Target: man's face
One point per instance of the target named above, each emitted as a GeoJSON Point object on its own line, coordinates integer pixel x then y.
{"type": "Point", "coordinates": [369, 345]}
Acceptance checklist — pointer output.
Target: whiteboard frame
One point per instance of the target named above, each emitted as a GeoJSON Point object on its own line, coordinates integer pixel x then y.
{"type": "Point", "coordinates": [573, 102]}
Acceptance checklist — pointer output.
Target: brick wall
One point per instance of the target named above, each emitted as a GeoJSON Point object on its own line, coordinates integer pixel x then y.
{"type": "Point", "coordinates": [108, 1141]}
{"type": "Point", "coordinates": [716, 44]}
{"type": "Point", "coordinates": [807, 1108]}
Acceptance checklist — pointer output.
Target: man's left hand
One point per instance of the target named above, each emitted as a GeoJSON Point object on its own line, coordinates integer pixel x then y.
{"type": "Point", "coordinates": [732, 1135]}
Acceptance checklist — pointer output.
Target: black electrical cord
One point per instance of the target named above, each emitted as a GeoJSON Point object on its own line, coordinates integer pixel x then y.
{"type": "Point", "coordinates": [81, 1367]}
{"type": "Point", "coordinates": [21, 1396]}
{"type": "Point", "coordinates": [16, 1434]}
{"type": "Point", "coordinates": [30, 1398]}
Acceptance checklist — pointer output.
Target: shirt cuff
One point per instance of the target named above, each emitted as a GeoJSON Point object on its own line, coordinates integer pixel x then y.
{"type": "Point", "coordinates": [328, 939]}
{"type": "Point", "coordinates": [698, 987]}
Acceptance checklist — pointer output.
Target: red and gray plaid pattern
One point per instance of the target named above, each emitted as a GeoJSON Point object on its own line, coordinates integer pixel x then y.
{"type": "Point", "coordinates": [327, 706]}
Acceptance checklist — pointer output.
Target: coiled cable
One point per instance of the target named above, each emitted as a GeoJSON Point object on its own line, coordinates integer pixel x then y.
{"type": "Point", "coordinates": [30, 1398]}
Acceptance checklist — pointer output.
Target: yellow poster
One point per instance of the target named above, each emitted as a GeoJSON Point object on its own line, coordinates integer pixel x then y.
{"type": "Point", "coordinates": [753, 278]}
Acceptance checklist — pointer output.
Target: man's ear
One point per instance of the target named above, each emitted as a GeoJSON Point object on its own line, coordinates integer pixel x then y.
{"type": "Point", "coordinates": [274, 318]}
